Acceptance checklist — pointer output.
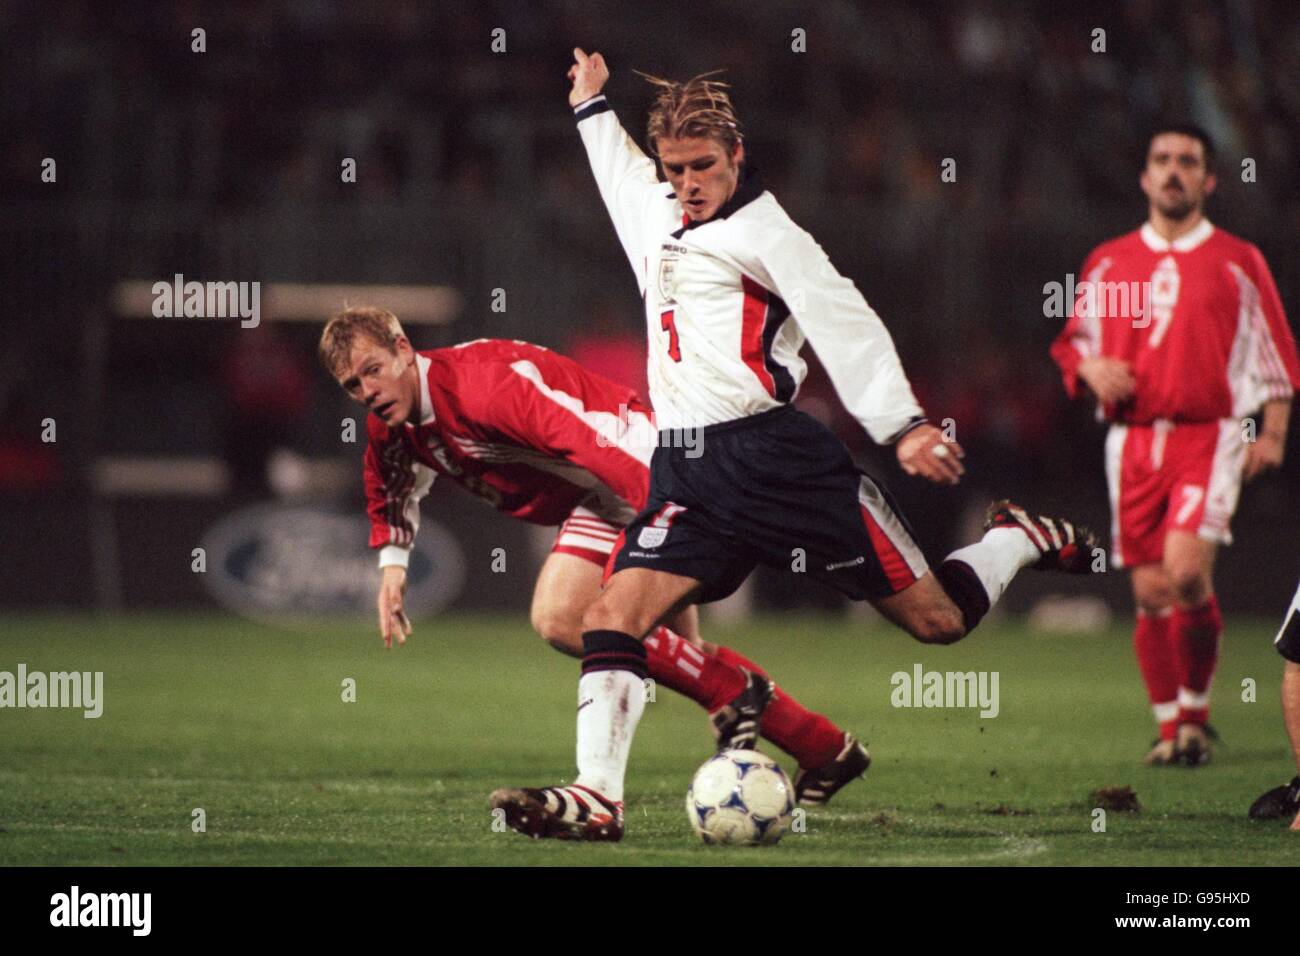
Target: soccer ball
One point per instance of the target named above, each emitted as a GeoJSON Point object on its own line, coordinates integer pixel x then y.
{"type": "Point", "coordinates": [740, 797]}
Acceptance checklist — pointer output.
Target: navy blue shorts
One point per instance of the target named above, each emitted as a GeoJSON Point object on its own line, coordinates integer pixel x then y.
{"type": "Point", "coordinates": [1287, 641]}
{"type": "Point", "coordinates": [777, 489]}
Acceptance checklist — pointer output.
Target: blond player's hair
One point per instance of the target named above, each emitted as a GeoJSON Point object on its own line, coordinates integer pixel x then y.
{"type": "Point", "coordinates": [698, 107]}
{"type": "Point", "coordinates": [342, 331]}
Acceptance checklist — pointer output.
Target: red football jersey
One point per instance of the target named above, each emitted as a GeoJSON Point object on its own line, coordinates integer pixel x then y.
{"type": "Point", "coordinates": [1198, 319]}
{"type": "Point", "coordinates": [523, 427]}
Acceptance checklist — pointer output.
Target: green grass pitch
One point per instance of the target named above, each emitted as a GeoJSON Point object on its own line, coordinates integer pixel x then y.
{"type": "Point", "coordinates": [248, 723]}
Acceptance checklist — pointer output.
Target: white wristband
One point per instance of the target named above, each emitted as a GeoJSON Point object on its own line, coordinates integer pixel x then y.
{"type": "Point", "coordinates": [394, 556]}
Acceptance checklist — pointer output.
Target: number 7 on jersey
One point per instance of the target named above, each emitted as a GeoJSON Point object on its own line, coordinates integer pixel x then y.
{"type": "Point", "coordinates": [667, 322]}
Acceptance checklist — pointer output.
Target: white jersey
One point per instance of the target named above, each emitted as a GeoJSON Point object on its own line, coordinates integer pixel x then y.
{"type": "Point", "coordinates": [729, 301]}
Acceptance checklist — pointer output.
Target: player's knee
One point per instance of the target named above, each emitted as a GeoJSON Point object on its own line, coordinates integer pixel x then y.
{"type": "Point", "coordinates": [1188, 583]}
{"type": "Point", "coordinates": [1152, 597]}
{"type": "Point", "coordinates": [601, 618]}
{"type": "Point", "coordinates": [562, 631]}
{"type": "Point", "coordinates": [939, 626]}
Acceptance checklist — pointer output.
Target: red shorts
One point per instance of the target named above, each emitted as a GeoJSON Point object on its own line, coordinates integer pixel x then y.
{"type": "Point", "coordinates": [1169, 476]}
{"type": "Point", "coordinates": [585, 534]}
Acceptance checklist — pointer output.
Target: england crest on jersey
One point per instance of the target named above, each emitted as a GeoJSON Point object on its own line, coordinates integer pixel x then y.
{"type": "Point", "coordinates": [670, 253]}
{"type": "Point", "coordinates": [667, 275]}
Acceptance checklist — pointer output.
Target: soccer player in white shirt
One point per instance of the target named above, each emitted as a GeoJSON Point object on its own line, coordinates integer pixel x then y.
{"type": "Point", "coordinates": [1284, 801]}
{"type": "Point", "coordinates": [732, 287]}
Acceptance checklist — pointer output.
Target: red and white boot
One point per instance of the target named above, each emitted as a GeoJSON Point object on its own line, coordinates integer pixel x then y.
{"type": "Point", "coordinates": [1064, 545]}
{"type": "Point", "coordinates": [560, 813]}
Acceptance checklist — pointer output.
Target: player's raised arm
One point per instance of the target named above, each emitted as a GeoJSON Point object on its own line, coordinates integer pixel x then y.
{"type": "Point", "coordinates": [857, 351]}
{"type": "Point", "coordinates": [626, 177]}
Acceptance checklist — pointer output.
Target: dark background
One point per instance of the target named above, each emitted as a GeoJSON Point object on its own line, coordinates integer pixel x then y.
{"type": "Point", "coordinates": [225, 165]}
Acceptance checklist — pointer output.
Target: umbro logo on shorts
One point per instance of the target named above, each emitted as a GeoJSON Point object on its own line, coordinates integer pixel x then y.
{"type": "Point", "coordinates": [846, 564]}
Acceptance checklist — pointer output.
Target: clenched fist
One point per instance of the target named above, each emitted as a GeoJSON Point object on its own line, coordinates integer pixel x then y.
{"type": "Point", "coordinates": [1264, 454]}
{"type": "Point", "coordinates": [588, 75]}
{"type": "Point", "coordinates": [1110, 379]}
{"type": "Point", "coordinates": [923, 451]}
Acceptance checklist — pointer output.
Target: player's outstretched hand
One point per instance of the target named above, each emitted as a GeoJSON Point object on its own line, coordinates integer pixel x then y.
{"type": "Point", "coordinates": [392, 618]}
{"type": "Point", "coordinates": [1110, 379]}
{"type": "Point", "coordinates": [588, 76]}
{"type": "Point", "coordinates": [924, 451]}
{"type": "Point", "coordinates": [1263, 454]}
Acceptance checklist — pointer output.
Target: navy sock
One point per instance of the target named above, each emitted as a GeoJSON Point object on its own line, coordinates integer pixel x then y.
{"type": "Point", "coordinates": [613, 651]}
{"type": "Point", "coordinates": [966, 590]}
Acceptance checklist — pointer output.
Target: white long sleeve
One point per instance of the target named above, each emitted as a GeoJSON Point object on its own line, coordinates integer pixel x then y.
{"type": "Point", "coordinates": [846, 333]}
{"type": "Point", "coordinates": [640, 206]}
{"type": "Point", "coordinates": [729, 302]}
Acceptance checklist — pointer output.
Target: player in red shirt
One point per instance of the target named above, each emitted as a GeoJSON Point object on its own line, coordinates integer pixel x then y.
{"type": "Point", "coordinates": [547, 442]}
{"type": "Point", "coordinates": [1179, 333]}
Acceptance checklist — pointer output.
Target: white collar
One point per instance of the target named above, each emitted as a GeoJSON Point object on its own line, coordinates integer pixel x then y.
{"type": "Point", "coordinates": [422, 365]}
{"type": "Point", "coordinates": [1184, 243]}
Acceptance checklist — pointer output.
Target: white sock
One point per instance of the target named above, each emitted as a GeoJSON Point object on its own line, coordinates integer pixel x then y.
{"type": "Point", "coordinates": [605, 728]}
{"type": "Point", "coordinates": [997, 557]}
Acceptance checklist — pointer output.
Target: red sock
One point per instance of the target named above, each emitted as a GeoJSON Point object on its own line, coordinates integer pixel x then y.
{"type": "Point", "coordinates": [679, 665]}
{"type": "Point", "coordinates": [1158, 662]}
{"type": "Point", "coordinates": [1196, 638]}
{"type": "Point", "coordinates": [808, 737]}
